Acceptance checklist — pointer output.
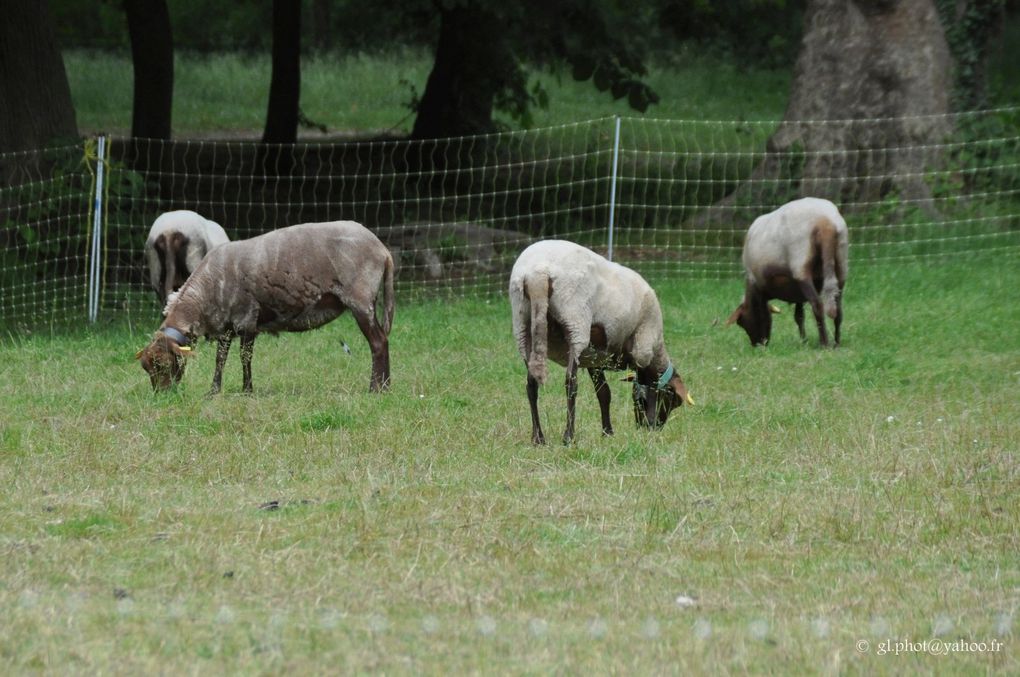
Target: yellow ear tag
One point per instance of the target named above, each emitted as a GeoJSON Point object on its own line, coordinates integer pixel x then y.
{"type": "Point", "coordinates": [690, 400]}
{"type": "Point", "coordinates": [184, 349]}
{"type": "Point", "coordinates": [138, 355]}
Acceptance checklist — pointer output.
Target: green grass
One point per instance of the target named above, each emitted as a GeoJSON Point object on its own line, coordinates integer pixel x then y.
{"type": "Point", "coordinates": [226, 94]}
{"type": "Point", "coordinates": [812, 499]}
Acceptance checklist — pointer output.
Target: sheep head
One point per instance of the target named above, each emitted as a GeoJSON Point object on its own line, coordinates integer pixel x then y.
{"type": "Point", "coordinates": [666, 396]}
{"type": "Point", "coordinates": [164, 360]}
{"type": "Point", "coordinates": [755, 318]}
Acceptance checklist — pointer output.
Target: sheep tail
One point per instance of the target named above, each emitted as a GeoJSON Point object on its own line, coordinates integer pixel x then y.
{"type": "Point", "coordinates": [390, 301]}
{"type": "Point", "coordinates": [827, 250]}
{"type": "Point", "coordinates": [537, 287]}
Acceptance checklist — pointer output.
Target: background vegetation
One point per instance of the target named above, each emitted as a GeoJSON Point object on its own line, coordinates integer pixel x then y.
{"type": "Point", "coordinates": [223, 95]}
{"type": "Point", "coordinates": [724, 60]}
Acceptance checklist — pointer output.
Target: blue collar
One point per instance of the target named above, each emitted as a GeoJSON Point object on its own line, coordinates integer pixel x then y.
{"type": "Point", "coordinates": [175, 335]}
{"type": "Point", "coordinates": [666, 375]}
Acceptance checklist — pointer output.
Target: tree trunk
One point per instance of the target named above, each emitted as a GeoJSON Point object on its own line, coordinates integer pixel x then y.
{"type": "Point", "coordinates": [880, 73]}
{"type": "Point", "coordinates": [472, 65]}
{"type": "Point", "coordinates": [152, 53]}
{"type": "Point", "coordinates": [35, 99]}
{"type": "Point", "coordinates": [285, 86]}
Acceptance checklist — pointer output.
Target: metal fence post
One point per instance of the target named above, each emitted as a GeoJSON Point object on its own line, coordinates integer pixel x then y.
{"type": "Point", "coordinates": [612, 187]}
{"type": "Point", "coordinates": [97, 232]}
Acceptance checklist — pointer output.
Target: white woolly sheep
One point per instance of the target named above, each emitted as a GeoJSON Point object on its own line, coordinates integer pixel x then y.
{"type": "Point", "coordinates": [291, 279]}
{"type": "Point", "coordinates": [177, 243]}
{"type": "Point", "coordinates": [574, 306]}
{"type": "Point", "coordinates": [798, 254]}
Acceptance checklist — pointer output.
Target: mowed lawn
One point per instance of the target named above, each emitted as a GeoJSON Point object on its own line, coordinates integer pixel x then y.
{"type": "Point", "coordinates": [811, 501]}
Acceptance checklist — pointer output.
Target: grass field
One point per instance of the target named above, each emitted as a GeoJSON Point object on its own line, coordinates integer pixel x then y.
{"type": "Point", "coordinates": [813, 499]}
{"type": "Point", "coordinates": [226, 94]}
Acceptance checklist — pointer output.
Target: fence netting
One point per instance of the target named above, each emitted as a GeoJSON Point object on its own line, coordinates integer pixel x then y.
{"type": "Point", "coordinates": [674, 197]}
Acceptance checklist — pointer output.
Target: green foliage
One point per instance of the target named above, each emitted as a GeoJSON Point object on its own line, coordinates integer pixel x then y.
{"type": "Point", "coordinates": [45, 228]}
{"type": "Point", "coordinates": [759, 33]}
{"type": "Point", "coordinates": [247, 26]}
{"type": "Point", "coordinates": [971, 26]}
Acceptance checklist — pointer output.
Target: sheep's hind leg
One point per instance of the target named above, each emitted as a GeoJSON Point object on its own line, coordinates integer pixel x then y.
{"type": "Point", "coordinates": [602, 392]}
{"type": "Point", "coordinates": [571, 383]}
{"type": "Point", "coordinates": [222, 350]}
{"type": "Point", "coordinates": [536, 428]}
{"type": "Point", "coordinates": [379, 344]}
{"type": "Point", "coordinates": [808, 289]}
{"type": "Point", "coordinates": [247, 350]}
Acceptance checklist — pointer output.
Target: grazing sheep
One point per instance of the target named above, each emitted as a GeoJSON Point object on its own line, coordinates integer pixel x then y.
{"type": "Point", "coordinates": [574, 306]}
{"type": "Point", "coordinates": [798, 254]}
{"type": "Point", "coordinates": [177, 243]}
{"type": "Point", "coordinates": [292, 279]}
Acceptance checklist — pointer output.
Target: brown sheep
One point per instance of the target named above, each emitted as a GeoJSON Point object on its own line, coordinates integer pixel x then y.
{"type": "Point", "coordinates": [798, 254]}
{"type": "Point", "coordinates": [291, 279]}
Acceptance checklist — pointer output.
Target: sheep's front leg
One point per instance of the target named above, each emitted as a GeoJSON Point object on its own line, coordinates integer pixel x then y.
{"type": "Point", "coordinates": [651, 419]}
{"type": "Point", "coordinates": [568, 434]}
{"type": "Point", "coordinates": [222, 350]}
{"type": "Point", "coordinates": [798, 316]}
{"type": "Point", "coordinates": [808, 289]}
{"type": "Point", "coordinates": [536, 428]}
{"type": "Point", "coordinates": [247, 349]}
{"type": "Point", "coordinates": [602, 392]}
{"type": "Point", "coordinates": [839, 317]}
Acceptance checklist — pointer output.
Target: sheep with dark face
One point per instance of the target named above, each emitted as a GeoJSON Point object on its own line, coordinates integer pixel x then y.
{"type": "Point", "coordinates": [177, 243]}
{"type": "Point", "coordinates": [292, 279]}
{"type": "Point", "coordinates": [798, 254]}
{"type": "Point", "coordinates": [574, 306]}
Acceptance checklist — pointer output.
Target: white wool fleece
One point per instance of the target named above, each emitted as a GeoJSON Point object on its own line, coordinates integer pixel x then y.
{"type": "Point", "coordinates": [586, 289]}
{"type": "Point", "coordinates": [782, 238]}
{"type": "Point", "coordinates": [203, 234]}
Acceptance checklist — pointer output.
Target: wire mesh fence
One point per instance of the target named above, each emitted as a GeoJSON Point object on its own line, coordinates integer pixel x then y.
{"type": "Point", "coordinates": [670, 197]}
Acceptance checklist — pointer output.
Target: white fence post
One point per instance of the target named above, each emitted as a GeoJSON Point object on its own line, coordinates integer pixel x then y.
{"type": "Point", "coordinates": [612, 187]}
{"type": "Point", "coordinates": [97, 232]}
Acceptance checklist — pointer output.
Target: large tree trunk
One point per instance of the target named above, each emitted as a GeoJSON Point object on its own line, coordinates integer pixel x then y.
{"type": "Point", "coordinates": [880, 73]}
{"type": "Point", "coordinates": [35, 99]}
{"type": "Point", "coordinates": [152, 54]}
{"type": "Point", "coordinates": [285, 86]}
{"type": "Point", "coordinates": [472, 65]}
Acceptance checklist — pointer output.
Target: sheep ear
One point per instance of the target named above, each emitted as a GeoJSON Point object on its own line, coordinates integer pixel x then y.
{"type": "Point", "coordinates": [681, 391]}
{"type": "Point", "coordinates": [734, 316]}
